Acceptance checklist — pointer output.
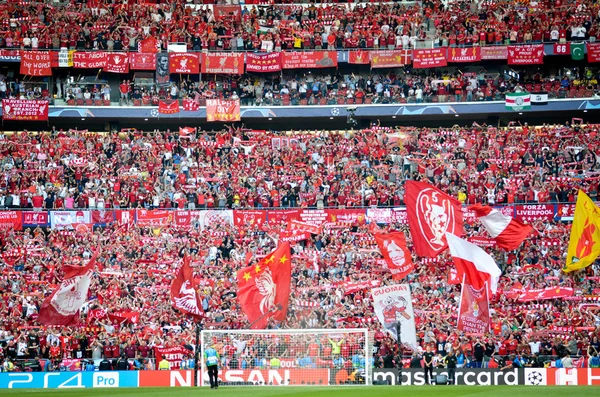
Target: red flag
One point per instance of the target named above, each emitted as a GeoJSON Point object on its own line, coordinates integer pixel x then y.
{"type": "Point", "coordinates": [165, 107]}
{"type": "Point", "coordinates": [526, 54]}
{"type": "Point", "coordinates": [148, 45]}
{"type": "Point", "coordinates": [186, 132]}
{"type": "Point", "coordinates": [359, 57]}
{"type": "Point", "coordinates": [97, 314]}
{"type": "Point", "coordinates": [431, 213]}
{"type": "Point", "coordinates": [508, 232]}
{"type": "Point", "coordinates": [184, 62]}
{"type": "Point", "coordinates": [36, 63]}
{"type": "Point", "coordinates": [120, 317]}
{"type": "Point", "coordinates": [223, 110]}
{"type": "Point", "coordinates": [190, 105]}
{"type": "Point", "coordinates": [63, 305]}
{"type": "Point", "coordinates": [142, 61]}
{"type": "Point", "coordinates": [474, 310]}
{"type": "Point", "coordinates": [183, 294]}
{"type": "Point", "coordinates": [264, 289]}
{"type": "Point", "coordinates": [116, 62]}
{"type": "Point", "coordinates": [394, 251]}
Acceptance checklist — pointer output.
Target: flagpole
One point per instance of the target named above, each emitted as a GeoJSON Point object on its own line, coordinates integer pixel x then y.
{"type": "Point", "coordinates": [197, 369]}
{"type": "Point", "coordinates": [399, 364]}
{"type": "Point", "coordinates": [271, 311]}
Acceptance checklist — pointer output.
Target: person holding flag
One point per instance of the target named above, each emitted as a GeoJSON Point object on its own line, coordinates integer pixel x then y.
{"type": "Point", "coordinates": [211, 360]}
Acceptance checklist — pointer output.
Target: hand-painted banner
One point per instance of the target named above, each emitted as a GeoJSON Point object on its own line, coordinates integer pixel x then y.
{"type": "Point", "coordinates": [223, 12]}
{"type": "Point", "coordinates": [429, 58]}
{"type": "Point", "coordinates": [223, 63]}
{"type": "Point", "coordinates": [24, 109]}
{"type": "Point", "coordinates": [263, 63]}
{"type": "Point", "coordinates": [468, 54]}
{"type": "Point", "coordinates": [293, 236]}
{"type": "Point", "coordinates": [184, 62]}
{"type": "Point", "coordinates": [540, 294]}
{"type": "Point", "coordinates": [12, 220]}
{"type": "Point", "coordinates": [174, 355]}
{"type": "Point", "coordinates": [249, 217]}
{"type": "Point", "coordinates": [526, 54]}
{"type": "Point", "coordinates": [310, 59]}
{"type": "Point", "coordinates": [89, 60]}
{"type": "Point", "coordinates": [168, 107]}
{"type": "Point", "coordinates": [593, 52]}
{"type": "Point", "coordinates": [142, 61]}
{"type": "Point", "coordinates": [117, 62]}
{"type": "Point", "coordinates": [474, 310]}
{"type": "Point", "coordinates": [154, 217]}
{"type": "Point", "coordinates": [359, 57]}
{"type": "Point", "coordinates": [393, 304]}
{"type": "Point", "coordinates": [36, 63]}
{"type": "Point", "coordinates": [223, 110]}
{"type": "Point", "coordinates": [389, 59]}
{"type": "Point", "coordinates": [493, 53]}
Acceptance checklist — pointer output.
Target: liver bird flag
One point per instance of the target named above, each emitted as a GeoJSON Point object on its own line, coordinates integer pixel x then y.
{"type": "Point", "coordinates": [264, 288]}
{"type": "Point", "coordinates": [584, 243]}
{"type": "Point", "coordinates": [184, 296]}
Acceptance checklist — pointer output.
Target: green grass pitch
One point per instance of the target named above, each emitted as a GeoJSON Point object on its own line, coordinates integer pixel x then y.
{"type": "Point", "coordinates": [350, 391]}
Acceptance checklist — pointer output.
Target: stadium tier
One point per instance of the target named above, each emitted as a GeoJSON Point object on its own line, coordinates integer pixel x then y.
{"type": "Point", "coordinates": [282, 190]}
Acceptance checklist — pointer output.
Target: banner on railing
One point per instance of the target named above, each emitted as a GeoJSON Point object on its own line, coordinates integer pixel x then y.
{"type": "Point", "coordinates": [494, 53]}
{"type": "Point", "coordinates": [24, 109]}
{"type": "Point", "coordinates": [36, 63]}
{"type": "Point", "coordinates": [429, 58]}
{"type": "Point", "coordinates": [12, 220]}
{"type": "Point", "coordinates": [389, 59]}
{"type": "Point", "coordinates": [116, 62]}
{"type": "Point", "coordinates": [526, 54]}
{"type": "Point", "coordinates": [184, 62]}
{"type": "Point", "coordinates": [309, 59]}
{"type": "Point", "coordinates": [263, 63]}
{"type": "Point", "coordinates": [223, 63]}
{"type": "Point", "coordinates": [142, 61]}
{"type": "Point", "coordinates": [468, 54]}
{"type": "Point", "coordinates": [223, 110]}
{"type": "Point", "coordinates": [89, 60]}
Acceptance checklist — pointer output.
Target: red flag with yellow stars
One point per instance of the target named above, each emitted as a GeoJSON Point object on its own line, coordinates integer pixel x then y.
{"type": "Point", "coordinates": [264, 288]}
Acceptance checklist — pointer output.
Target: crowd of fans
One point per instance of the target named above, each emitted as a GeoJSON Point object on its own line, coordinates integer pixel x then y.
{"type": "Point", "coordinates": [247, 169]}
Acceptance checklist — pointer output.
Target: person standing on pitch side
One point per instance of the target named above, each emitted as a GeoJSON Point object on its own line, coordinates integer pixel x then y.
{"type": "Point", "coordinates": [211, 359]}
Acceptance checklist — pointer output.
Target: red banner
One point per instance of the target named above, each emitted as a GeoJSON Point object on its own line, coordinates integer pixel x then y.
{"type": "Point", "coordinates": [347, 216]}
{"type": "Point", "coordinates": [396, 254]}
{"type": "Point", "coordinates": [100, 217]}
{"type": "Point", "coordinates": [453, 276]}
{"type": "Point", "coordinates": [539, 294]}
{"type": "Point", "coordinates": [168, 107]}
{"type": "Point", "coordinates": [562, 48]}
{"type": "Point", "coordinates": [389, 59]}
{"type": "Point", "coordinates": [249, 217]}
{"type": "Point", "coordinates": [190, 105]}
{"type": "Point", "coordinates": [125, 217]}
{"type": "Point", "coordinates": [223, 63]}
{"type": "Point", "coordinates": [468, 54]}
{"type": "Point", "coordinates": [593, 52]}
{"type": "Point", "coordinates": [474, 311]}
{"type": "Point", "coordinates": [493, 53]}
{"type": "Point", "coordinates": [223, 110]}
{"type": "Point", "coordinates": [263, 63]}
{"type": "Point", "coordinates": [231, 12]}
{"type": "Point", "coordinates": [36, 63]}
{"type": "Point", "coordinates": [12, 220]}
{"type": "Point", "coordinates": [154, 217]}
{"type": "Point", "coordinates": [120, 317]}
{"type": "Point", "coordinates": [149, 45]}
{"type": "Point", "coordinates": [116, 62]}
{"type": "Point", "coordinates": [359, 57]}
{"type": "Point", "coordinates": [35, 218]}
{"type": "Point", "coordinates": [310, 59]}
{"type": "Point", "coordinates": [24, 109]}
{"type": "Point", "coordinates": [293, 376]}
{"type": "Point", "coordinates": [526, 54]}
{"type": "Point", "coordinates": [174, 355]}
{"type": "Point", "coordinates": [293, 236]}
{"type": "Point", "coordinates": [304, 227]}
{"type": "Point", "coordinates": [429, 58]}
{"type": "Point", "coordinates": [89, 60]}
{"type": "Point", "coordinates": [535, 212]}
{"type": "Point", "coordinates": [282, 216]}
{"type": "Point", "coordinates": [142, 61]}
{"type": "Point", "coordinates": [184, 62]}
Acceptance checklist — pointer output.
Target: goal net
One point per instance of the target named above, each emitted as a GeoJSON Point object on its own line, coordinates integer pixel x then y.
{"type": "Point", "coordinates": [302, 357]}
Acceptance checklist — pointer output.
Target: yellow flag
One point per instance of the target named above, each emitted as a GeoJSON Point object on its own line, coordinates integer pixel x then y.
{"type": "Point", "coordinates": [584, 244]}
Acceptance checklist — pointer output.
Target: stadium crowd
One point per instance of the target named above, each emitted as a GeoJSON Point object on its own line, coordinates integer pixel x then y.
{"type": "Point", "coordinates": [333, 272]}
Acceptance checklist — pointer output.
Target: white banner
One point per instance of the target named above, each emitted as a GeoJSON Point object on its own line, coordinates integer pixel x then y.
{"type": "Point", "coordinates": [210, 218]}
{"type": "Point", "coordinates": [69, 219]}
{"type": "Point", "coordinates": [393, 304]}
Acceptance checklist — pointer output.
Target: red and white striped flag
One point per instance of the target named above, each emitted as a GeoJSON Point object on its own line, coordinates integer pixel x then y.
{"type": "Point", "coordinates": [509, 233]}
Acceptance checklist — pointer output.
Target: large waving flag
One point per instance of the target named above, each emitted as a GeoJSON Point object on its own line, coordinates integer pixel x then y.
{"type": "Point", "coordinates": [264, 288]}
{"type": "Point", "coordinates": [184, 296]}
{"type": "Point", "coordinates": [431, 214]}
{"type": "Point", "coordinates": [63, 305]}
{"type": "Point", "coordinates": [584, 243]}
{"type": "Point", "coordinates": [473, 263]}
{"type": "Point", "coordinates": [508, 232]}
{"type": "Point", "coordinates": [396, 255]}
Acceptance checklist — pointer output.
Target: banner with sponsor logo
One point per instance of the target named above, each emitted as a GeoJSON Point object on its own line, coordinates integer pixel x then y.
{"type": "Point", "coordinates": [223, 110]}
{"type": "Point", "coordinates": [359, 57]}
{"type": "Point", "coordinates": [184, 62]}
{"type": "Point", "coordinates": [593, 52]}
{"type": "Point", "coordinates": [526, 54]}
{"type": "Point", "coordinates": [36, 63]}
{"type": "Point", "coordinates": [24, 109]}
{"type": "Point", "coordinates": [429, 58]}
{"type": "Point", "coordinates": [389, 59]}
{"type": "Point", "coordinates": [12, 220]}
{"type": "Point", "coordinates": [249, 217]}
{"type": "Point", "coordinates": [173, 355]}
{"type": "Point", "coordinates": [60, 380]}
{"type": "Point", "coordinates": [494, 53]}
{"type": "Point", "coordinates": [69, 219]}
{"type": "Point", "coordinates": [463, 376]}
{"type": "Point", "coordinates": [153, 218]}
{"type": "Point", "coordinates": [309, 59]}
{"type": "Point", "coordinates": [263, 63]}
{"type": "Point", "coordinates": [392, 304]}
{"type": "Point", "coordinates": [468, 54]}
{"type": "Point", "coordinates": [474, 310]}
{"type": "Point", "coordinates": [116, 62]}
{"type": "Point", "coordinates": [35, 218]}
{"type": "Point", "coordinates": [282, 376]}
{"type": "Point", "coordinates": [223, 63]}
{"type": "Point", "coordinates": [353, 216]}
{"type": "Point", "coordinates": [142, 61]}
{"type": "Point", "coordinates": [89, 60]}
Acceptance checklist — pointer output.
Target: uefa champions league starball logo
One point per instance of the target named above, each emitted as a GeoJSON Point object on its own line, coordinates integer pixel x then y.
{"type": "Point", "coordinates": [534, 378]}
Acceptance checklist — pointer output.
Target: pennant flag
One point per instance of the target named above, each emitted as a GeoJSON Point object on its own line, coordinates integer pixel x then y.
{"type": "Point", "coordinates": [396, 255]}
{"type": "Point", "coordinates": [518, 101]}
{"type": "Point", "coordinates": [63, 305]}
{"type": "Point", "coordinates": [577, 51]}
{"type": "Point", "coordinates": [264, 288]}
{"type": "Point", "coordinates": [184, 296]}
{"type": "Point", "coordinates": [584, 243]}
{"type": "Point", "coordinates": [474, 310]}
{"type": "Point", "coordinates": [168, 107]}
{"type": "Point", "coordinates": [431, 214]}
{"type": "Point", "coordinates": [508, 232]}
{"type": "Point", "coordinates": [473, 263]}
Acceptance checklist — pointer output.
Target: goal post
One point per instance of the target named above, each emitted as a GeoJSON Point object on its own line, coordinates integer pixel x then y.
{"type": "Point", "coordinates": [290, 357]}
